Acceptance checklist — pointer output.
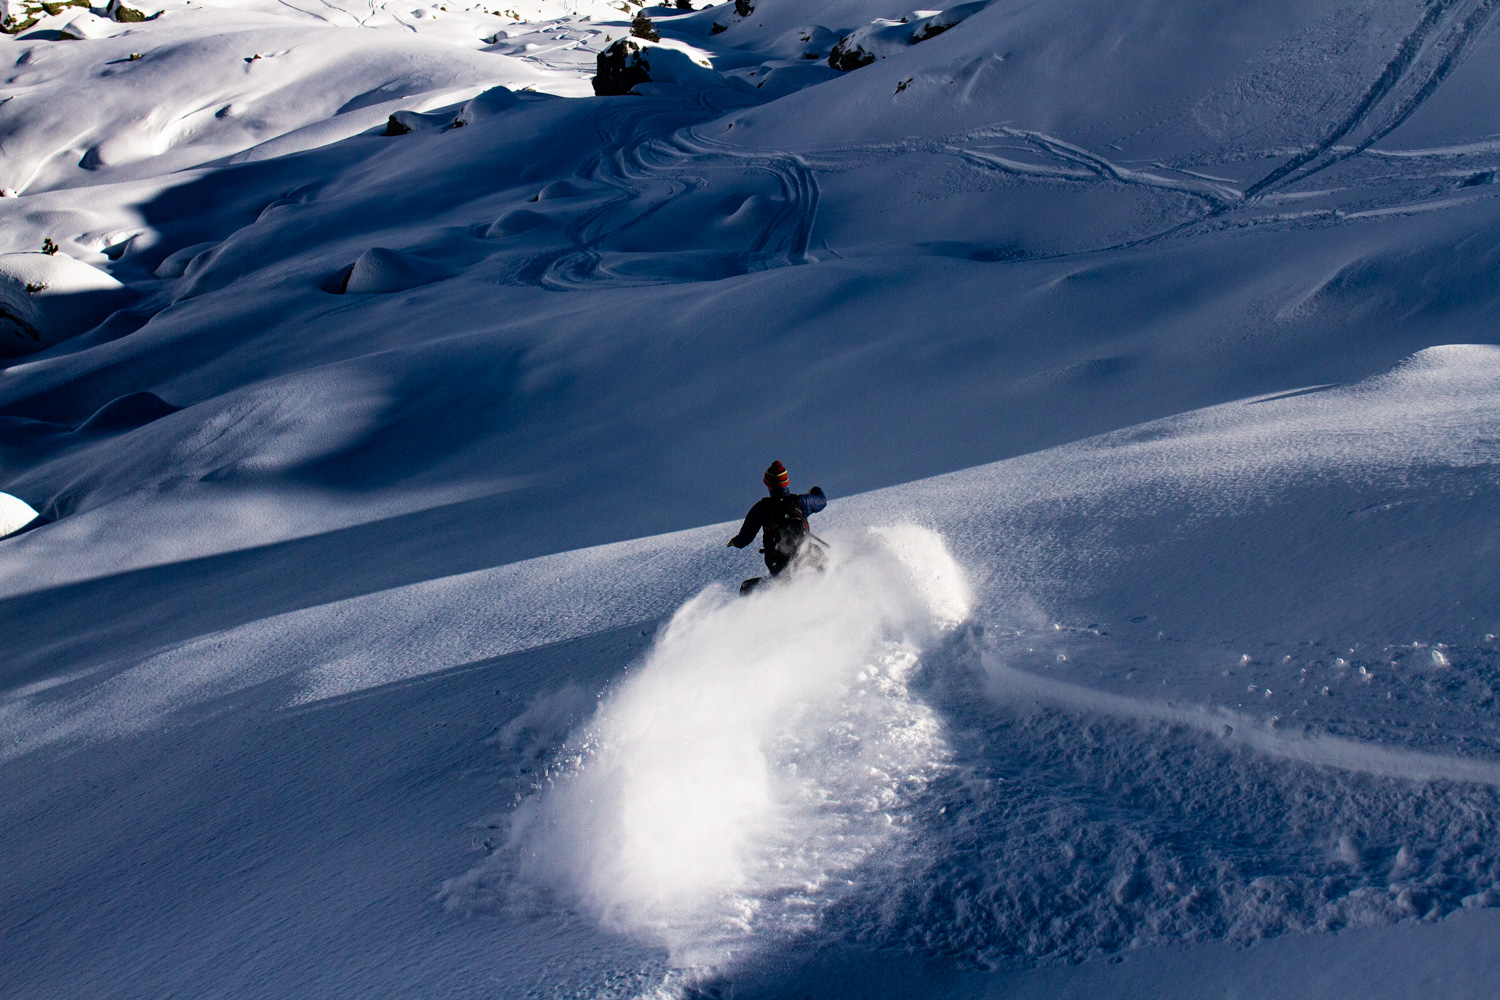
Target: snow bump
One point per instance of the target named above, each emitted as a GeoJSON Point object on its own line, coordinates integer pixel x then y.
{"type": "Point", "coordinates": [379, 271]}
{"type": "Point", "coordinates": [47, 298]}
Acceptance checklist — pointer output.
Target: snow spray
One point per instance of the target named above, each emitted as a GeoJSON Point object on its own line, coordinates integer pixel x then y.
{"type": "Point", "coordinates": [759, 756]}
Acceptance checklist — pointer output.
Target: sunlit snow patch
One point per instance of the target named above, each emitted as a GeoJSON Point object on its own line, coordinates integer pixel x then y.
{"type": "Point", "coordinates": [765, 750]}
{"type": "Point", "coordinates": [15, 514]}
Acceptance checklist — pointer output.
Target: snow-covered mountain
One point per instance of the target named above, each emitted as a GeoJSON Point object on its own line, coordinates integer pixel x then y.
{"type": "Point", "coordinates": [385, 398]}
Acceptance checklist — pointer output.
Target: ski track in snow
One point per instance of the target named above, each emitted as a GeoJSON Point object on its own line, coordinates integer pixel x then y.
{"type": "Point", "coordinates": [1421, 62]}
{"type": "Point", "coordinates": [1253, 733]}
{"type": "Point", "coordinates": [652, 176]}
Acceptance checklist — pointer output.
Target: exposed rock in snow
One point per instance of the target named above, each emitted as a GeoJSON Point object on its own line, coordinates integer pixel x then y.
{"type": "Point", "coordinates": [18, 15]}
{"type": "Point", "coordinates": [621, 67]}
{"type": "Point", "coordinates": [882, 38]}
{"type": "Point", "coordinates": [405, 122]}
{"type": "Point", "coordinates": [943, 20]}
{"type": "Point", "coordinates": [126, 14]}
{"type": "Point", "coordinates": [47, 298]}
{"type": "Point", "coordinates": [15, 514]}
{"type": "Point", "coordinates": [484, 105]}
{"type": "Point", "coordinates": [626, 64]}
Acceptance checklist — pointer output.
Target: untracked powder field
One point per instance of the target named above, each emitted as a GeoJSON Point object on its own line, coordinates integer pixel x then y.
{"type": "Point", "coordinates": [380, 385]}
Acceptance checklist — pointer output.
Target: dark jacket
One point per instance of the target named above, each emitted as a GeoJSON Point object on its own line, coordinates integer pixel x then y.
{"type": "Point", "coordinates": [765, 508]}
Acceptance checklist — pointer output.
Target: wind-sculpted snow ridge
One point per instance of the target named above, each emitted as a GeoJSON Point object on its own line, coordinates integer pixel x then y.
{"type": "Point", "coordinates": [763, 755]}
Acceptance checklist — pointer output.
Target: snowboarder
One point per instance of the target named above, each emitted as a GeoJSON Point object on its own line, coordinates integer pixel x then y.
{"type": "Point", "coordinates": [782, 517]}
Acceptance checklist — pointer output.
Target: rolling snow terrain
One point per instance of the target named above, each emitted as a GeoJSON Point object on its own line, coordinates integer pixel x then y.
{"type": "Point", "coordinates": [376, 400]}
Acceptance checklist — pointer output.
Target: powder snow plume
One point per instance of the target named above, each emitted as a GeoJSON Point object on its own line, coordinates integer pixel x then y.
{"type": "Point", "coordinates": [760, 755]}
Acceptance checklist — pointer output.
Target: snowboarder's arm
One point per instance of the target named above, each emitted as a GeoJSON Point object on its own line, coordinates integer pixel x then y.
{"type": "Point", "coordinates": [814, 500]}
{"type": "Point", "coordinates": [748, 529]}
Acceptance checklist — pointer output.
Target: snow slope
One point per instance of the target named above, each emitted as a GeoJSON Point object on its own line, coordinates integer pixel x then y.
{"type": "Point", "coordinates": [369, 644]}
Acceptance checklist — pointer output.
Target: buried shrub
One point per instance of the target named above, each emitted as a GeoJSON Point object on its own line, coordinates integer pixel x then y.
{"type": "Point", "coordinates": [642, 27]}
{"type": "Point", "coordinates": [117, 11]}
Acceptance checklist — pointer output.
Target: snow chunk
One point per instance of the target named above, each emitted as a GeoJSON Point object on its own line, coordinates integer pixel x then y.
{"type": "Point", "coordinates": [15, 514]}
{"type": "Point", "coordinates": [47, 298]}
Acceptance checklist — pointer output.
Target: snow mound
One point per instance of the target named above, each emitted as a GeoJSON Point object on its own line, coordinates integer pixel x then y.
{"type": "Point", "coordinates": [88, 26]}
{"type": "Point", "coordinates": [522, 220]}
{"type": "Point", "coordinates": [379, 270]}
{"type": "Point", "coordinates": [47, 298]}
{"type": "Point", "coordinates": [130, 410]}
{"type": "Point", "coordinates": [486, 105]}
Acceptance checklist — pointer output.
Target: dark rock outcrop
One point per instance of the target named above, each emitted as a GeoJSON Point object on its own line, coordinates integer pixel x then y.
{"type": "Point", "coordinates": [619, 68]}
